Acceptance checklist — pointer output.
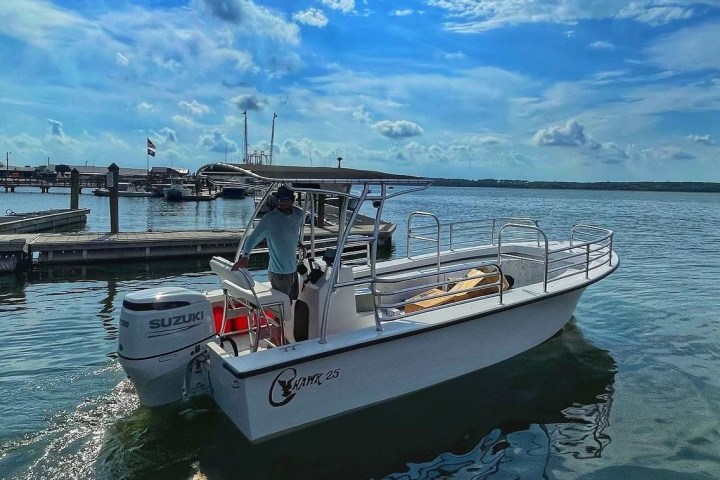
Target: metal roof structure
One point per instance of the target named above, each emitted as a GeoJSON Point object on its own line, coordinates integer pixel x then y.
{"type": "Point", "coordinates": [304, 175]}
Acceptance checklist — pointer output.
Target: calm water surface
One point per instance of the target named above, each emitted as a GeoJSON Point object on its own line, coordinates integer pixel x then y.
{"type": "Point", "coordinates": [630, 388]}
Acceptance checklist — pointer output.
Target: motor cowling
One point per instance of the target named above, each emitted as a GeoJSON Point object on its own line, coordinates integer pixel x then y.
{"type": "Point", "coordinates": [162, 330]}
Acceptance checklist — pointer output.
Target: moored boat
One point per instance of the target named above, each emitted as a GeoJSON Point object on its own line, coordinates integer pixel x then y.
{"type": "Point", "coordinates": [362, 328]}
{"type": "Point", "coordinates": [126, 190]}
{"type": "Point", "coordinates": [177, 190]}
{"type": "Point", "coordinates": [234, 191]}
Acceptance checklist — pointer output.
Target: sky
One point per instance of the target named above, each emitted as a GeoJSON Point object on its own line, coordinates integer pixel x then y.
{"type": "Point", "coordinates": [558, 90]}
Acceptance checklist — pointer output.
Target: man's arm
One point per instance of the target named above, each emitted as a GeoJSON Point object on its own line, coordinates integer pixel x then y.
{"type": "Point", "coordinates": [253, 239]}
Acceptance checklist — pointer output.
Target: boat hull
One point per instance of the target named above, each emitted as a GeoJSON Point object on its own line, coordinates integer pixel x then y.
{"type": "Point", "coordinates": [303, 384]}
{"type": "Point", "coordinates": [234, 192]}
{"type": "Point", "coordinates": [139, 194]}
{"type": "Point", "coordinates": [174, 195]}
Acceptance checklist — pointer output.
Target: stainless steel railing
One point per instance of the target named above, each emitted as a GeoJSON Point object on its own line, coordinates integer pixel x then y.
{"type": "Point", "coordinates": [412, 287]}
{"type": "Point", "coordinates": [435, 236]}
{"type": "Point", "coordinates": [590, 248]}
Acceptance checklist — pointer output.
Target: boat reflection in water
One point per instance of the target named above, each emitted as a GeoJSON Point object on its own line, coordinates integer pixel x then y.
{"type": "Point", "coordinates": [521, 416]}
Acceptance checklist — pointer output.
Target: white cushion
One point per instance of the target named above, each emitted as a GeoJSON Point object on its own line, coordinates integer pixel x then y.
{"type": "Point", "coordinates": [240, 284]}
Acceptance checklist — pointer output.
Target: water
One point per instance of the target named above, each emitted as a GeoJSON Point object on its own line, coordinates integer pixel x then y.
{"type": "Point", "coordinates": [629, 389]}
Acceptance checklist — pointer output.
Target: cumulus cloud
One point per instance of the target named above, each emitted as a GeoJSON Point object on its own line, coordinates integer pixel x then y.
{"type": "Point", "coordinates": [248, 16]}
{"type": "Point", "coordinates": [145, 107]}
{"type": "Point", "coordinates": [610, 153]}
{"type": "Point", "coordinates": [56, 132]}
{"type": "Point", "coordinates": [669, 152]}
{"type": "Point", "coordinates": [360, 115]}
{"type": "Point", "coordinates": [249, 102]}
{"type": "Point", "coordinates": [168, 135]}
{"type": "Point", "coordinates": [345, 6]}
{"type": "Point", "coordinates": [195, 108]}
{"type": "Point", "coordinates": [312, 16]}
{"type": "Point", "coordinates": [299, 148]}
{"type": "Point", "coordinates": [218, 142]}
{"type": "Point", "coordinates": [704, 139]}
{"type": "Point", "coordinates": [183, 120]}
{"type": "Point", "coordinates": [398, 129]}
{"type": "Point", "coordinates": [402, 13]}
{"type": "Point", "coordinates": [572, 134]}
{"type": "Point", "coordinates": [600, 45]}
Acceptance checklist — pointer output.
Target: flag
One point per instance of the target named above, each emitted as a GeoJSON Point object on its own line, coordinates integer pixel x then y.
{"type": "Point", "coordinates": [151, 152]}
{"type": "Point", "coordinates": [150, 144]}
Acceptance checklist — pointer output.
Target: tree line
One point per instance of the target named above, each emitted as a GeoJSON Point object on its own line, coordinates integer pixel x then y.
{"type": "Point", "coordinates": [632, 186]}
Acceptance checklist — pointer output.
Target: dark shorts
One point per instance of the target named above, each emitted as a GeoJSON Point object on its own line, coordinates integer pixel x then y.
{"type": "Point", "coordinates": [286, 283]}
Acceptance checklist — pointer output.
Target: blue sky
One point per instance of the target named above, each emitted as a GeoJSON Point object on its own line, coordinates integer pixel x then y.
{"type": "Point", "coordinates": [573, 90]}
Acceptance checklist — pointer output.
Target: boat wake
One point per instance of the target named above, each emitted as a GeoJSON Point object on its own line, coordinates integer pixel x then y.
{"type": "Point", "coordinates": [70, 445]}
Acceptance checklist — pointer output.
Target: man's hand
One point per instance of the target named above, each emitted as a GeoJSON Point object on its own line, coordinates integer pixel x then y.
{"type": "Point", "coordinates": [242, 263]}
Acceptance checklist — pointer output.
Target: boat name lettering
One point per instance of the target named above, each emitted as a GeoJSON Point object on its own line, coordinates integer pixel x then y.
{"type": "Point", "coordinates": [176, 320]}
{"type": "Point", "coordinates": [287, 384]}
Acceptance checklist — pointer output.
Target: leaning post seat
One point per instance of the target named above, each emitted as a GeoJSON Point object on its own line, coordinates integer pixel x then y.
{"type": "Point", "coordinates": [241, 285]}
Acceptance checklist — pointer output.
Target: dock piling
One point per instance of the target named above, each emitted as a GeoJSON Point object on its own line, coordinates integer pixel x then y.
{"type": "Point", "coordinates": [74, 189]}
{"type": "Point", "coordinates": [113, 176]}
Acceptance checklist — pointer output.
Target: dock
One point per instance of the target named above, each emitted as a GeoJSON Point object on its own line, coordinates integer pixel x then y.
{"type": "Point", "coordinates": [84, 247]}
{"type": "Point", "coordinates": [13, 222]}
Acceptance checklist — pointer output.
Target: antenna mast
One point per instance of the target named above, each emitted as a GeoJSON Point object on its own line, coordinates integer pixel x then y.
{"type": "Point", "coordinates": [272, 138]}
{"type": "Point", "coordinates": [245, 141]}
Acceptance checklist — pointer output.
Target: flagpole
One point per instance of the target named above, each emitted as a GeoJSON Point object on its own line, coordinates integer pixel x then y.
{"type": "Point", "coordinates": [149, 149]}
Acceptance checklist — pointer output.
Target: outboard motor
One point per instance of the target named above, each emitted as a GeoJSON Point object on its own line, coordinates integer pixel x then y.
{"type": "Point", "coordinates": [162, 331]}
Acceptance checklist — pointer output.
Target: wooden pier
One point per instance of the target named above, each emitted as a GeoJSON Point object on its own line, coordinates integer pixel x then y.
{"type": "Point", "coordinates": [64, 248]}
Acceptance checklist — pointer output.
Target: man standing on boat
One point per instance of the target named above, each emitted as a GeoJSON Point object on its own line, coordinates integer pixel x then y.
{"type": "Point", "coordinates": [281, 229]}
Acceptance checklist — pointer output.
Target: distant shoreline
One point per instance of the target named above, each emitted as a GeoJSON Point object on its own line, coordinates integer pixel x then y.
{"type": "Point", "coordinates": [693, 187]}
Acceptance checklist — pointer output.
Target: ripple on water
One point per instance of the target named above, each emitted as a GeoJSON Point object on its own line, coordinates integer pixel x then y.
{"type": "Point", "coordinates": [69, 445]}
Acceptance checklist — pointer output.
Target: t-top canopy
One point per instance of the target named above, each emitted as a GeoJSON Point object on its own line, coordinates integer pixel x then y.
{"type": "Point", "coordinates": [305, 175]}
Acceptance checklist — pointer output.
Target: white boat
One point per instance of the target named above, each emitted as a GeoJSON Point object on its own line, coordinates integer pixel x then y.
{"type": "Point", "coordinates": [363, 331]}
{"type": "Point", "coordinates": [177, 190]}
{"type": "Point", "coordinates": [126, 190]}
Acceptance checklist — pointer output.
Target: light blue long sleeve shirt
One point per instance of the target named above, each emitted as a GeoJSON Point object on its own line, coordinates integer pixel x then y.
{"type": "Point", "coordinates": [282, 232]}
